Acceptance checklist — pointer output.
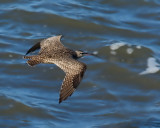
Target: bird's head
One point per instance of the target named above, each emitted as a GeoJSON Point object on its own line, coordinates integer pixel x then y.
{"type": "Point", "coordinates": [80, 53]}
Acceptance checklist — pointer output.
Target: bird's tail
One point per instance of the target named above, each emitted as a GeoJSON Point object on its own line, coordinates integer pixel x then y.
{"type": "Point", "coordinates": [33, 60]}
{"type": "Point", "coordinates": [31, 57]}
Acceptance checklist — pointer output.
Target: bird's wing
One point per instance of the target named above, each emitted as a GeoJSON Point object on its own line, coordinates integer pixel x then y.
{"type": "Point", "coordinates": [74, 73]}
{"type": "Point", "coordinates": [47, 44]}
{"type": "Point", "coordinates": [34, 47]}
{"type": "Point", "coordinates": [51, 44]}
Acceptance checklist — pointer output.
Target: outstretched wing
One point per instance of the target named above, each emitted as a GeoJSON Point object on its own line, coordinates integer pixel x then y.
{"type": "Point", "coordinates": [51, 44]}
{"type": "Point", "coordinates": [47, 44]}
{"type": "Point", "coordinates": [34, 47]}
{"type": "Point", "coordinates": [72, 79]}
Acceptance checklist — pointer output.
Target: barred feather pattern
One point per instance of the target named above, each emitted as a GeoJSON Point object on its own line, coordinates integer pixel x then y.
{"type": "Point", "coordinates": [52, 51]}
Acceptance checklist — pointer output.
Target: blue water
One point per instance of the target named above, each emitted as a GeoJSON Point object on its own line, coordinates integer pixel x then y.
{"type": "Point", "coordinates": [120, 89]}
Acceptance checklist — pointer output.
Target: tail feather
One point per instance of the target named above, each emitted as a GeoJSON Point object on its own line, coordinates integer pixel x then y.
{"type": "Point", "coordinates": [31, 57]}
{"type": "Point", "coordinates": [33, 62]}
{"type": "Point", "coordinates": [35, 59]}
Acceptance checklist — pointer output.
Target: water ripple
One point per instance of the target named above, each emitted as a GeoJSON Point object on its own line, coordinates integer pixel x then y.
{"type": "Point", "coordinates": [121, 85]}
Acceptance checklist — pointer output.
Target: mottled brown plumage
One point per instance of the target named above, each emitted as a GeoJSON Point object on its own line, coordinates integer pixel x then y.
{"type": "Point", "coordinates": [52, 51]}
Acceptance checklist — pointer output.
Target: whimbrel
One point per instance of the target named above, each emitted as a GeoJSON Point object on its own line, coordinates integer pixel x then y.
{"type": "Point", "coordinates": [52, 51]}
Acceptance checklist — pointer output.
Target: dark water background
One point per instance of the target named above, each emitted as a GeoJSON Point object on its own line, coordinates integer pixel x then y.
{"type": "Point", "coordinates": [119, 90]}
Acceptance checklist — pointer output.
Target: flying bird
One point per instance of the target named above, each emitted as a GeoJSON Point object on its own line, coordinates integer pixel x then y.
{"type": "Point", "coordinates": [52, 51]}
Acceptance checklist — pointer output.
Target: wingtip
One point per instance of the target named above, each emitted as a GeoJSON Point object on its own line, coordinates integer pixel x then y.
{"type": "Point", "coordinates": [33, 48]}
{"type": "Point", "coordinates": [26, 53]}
{"type": "Point", "coordinates": [60, 36]}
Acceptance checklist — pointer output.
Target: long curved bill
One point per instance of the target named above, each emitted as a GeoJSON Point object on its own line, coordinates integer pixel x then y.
{"type": "Point", "coordinates": [90, 54]}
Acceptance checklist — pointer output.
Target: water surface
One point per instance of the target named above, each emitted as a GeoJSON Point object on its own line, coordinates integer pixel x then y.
{"type": "Point", "coordinates": [119, 90]}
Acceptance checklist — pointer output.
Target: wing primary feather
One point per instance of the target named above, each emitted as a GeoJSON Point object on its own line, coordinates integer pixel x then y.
{"type": "Point", "coordinates": [67, 88]}
{"type": "Point", "coordinates": [34, 47]}
{"type": "Point", "coordinates": [70, 83]}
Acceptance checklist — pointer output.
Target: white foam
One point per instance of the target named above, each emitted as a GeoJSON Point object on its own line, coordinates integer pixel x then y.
{"type": "Point", "coordinates": [95, 52]}
{"type": "Point", "coordinates": [152, 66]}
{"type": "Point", "coordinates": [10, 55]}
{"type": "Point", "coordinates": [113, 52]}
{"type": "Point", "coordinates": [129, 50]}
{"type": "Point", "coordinates": [138, 47]}
{"type": "Point", "coordinates": [116, 46]}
